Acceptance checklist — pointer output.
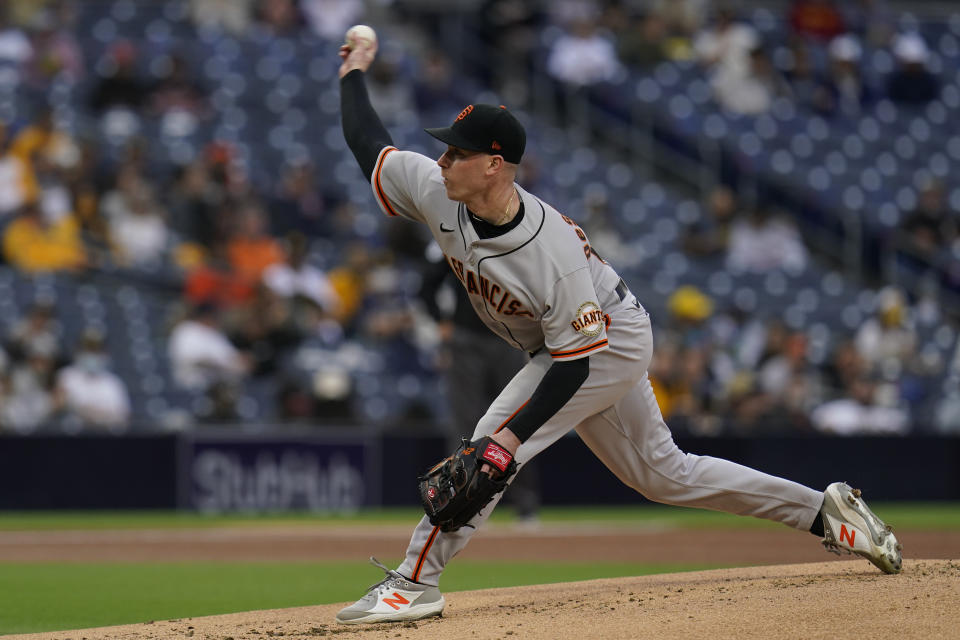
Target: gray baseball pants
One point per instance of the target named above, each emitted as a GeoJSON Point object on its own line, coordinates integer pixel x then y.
{"type": "Point", "coordinates": [616, 414]}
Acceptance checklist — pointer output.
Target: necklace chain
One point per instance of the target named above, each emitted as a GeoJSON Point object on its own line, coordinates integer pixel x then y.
{"type": "Point", "coordinates": [506, 212]}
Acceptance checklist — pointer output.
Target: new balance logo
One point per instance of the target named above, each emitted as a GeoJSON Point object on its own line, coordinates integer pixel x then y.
{"type": "Point", "coordinates": [848, 534]}
{"type": "Point", "coordinates": [396, 600]}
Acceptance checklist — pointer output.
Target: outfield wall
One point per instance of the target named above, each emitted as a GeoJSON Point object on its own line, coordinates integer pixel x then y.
{"type": "Point", "coordinates": [336, 470]}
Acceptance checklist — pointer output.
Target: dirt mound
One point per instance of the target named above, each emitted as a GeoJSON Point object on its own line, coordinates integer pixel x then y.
{"type": "Point", "coordinates": [817, 600]}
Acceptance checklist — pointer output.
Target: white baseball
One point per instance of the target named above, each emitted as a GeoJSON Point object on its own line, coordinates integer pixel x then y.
{"type": "Point", "coordinates": [358, 33]}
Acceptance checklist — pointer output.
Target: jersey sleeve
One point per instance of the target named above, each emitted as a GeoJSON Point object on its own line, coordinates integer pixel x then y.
{"type": "Point", "coordinates": [400, 181]}
{"type": "Point", "coordinates": [574, 326]}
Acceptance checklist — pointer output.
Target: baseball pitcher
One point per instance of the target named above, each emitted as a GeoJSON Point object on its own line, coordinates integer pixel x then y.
{"type": "Point", "coordinates": [536, 282]}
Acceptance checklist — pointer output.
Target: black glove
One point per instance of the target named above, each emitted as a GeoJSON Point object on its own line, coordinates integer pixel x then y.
{"type": "Point", "coordinates": [455, 489]}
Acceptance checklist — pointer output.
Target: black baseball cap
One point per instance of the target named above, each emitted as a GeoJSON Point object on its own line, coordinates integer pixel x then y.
{"type": "Point", "coordinates": [486, 128]}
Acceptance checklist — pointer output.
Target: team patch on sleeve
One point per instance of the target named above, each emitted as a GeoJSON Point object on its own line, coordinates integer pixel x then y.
{"type": "Point", "coordinates": [588, 320]}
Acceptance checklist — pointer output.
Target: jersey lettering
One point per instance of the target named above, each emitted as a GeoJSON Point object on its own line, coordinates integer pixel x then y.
{"type": "Point", "coordinates": [494, 290]}
{"type": "Point", "coordinates": [472, 283]}
{"type": "Point", "coordinates": [506, 294]}
{"type": "Point", "coordinates": [487, 289]}
{"type": "Point", "coordinates": [457, 267]}
{"type": "Point", "coordinates": [587, 249]}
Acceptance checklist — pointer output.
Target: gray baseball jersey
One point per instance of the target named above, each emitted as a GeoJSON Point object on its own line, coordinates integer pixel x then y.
{"type": "Point", "coordinates": [540, 287]}
{"type": "Point", "coordinates": [535, 286]}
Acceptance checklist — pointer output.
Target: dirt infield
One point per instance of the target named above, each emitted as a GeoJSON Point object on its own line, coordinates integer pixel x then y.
{"type": "Point", "coordinates": [819, 599]}
{"type": "Point", "coordinates": [563, 543]}
{"type": "Point", "coordinates": [816, 600]}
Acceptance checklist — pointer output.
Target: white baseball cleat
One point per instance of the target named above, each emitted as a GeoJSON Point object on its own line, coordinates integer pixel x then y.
{"type": "Point", "coordinates": [850, 526]}
{"type": "Point", "coordinates": [395, 599]}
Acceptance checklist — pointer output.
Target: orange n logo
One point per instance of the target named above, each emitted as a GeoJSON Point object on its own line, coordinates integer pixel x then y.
{"type": "Point", "coordinates": [397, 599]}
{"type": "Point", "coordinates": [849, 535]}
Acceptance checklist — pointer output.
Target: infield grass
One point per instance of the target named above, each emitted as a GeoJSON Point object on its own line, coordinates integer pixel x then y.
{"type": "Point", "coordinates": [50, 597]}
{"type": "Point", "coordinates": [927, 516]}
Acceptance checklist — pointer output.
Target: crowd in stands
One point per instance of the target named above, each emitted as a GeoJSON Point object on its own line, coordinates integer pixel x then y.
{"type": "Point", "coordinates": [255, 301]}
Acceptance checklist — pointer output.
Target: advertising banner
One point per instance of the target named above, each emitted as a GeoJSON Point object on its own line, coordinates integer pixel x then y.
{"type": "Point", "coordinates": [272, 473]}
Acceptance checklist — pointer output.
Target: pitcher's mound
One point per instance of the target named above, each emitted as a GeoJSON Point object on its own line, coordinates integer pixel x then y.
{"type": "Point", "coordinates": [820, 600]}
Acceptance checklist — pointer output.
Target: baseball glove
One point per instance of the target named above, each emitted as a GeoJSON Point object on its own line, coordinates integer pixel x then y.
{"type": "Point", "coordinates": [455, 489]}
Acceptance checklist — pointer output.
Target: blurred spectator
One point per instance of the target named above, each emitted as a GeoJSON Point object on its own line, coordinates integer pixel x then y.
{"type": "Point", "coordinates": [816, 19]}
{"type": "Point", "coordinates": [946, 419]}
{"type": "Point", "coordinates": [642, 41]}
{"type": "Point", "coordinates": [266, 330]}
{"type": "Point", "coordinates": [44, 139]}
{"type": "Point", "coordinates": [860, 413]}
{"type": "Point", "coordinates": [435, 87]}
{"type": "Point", "coordinates": [251, 249]}
{"type": "Point", "coordinates": [193, 202]}
{"type": "Point", "coordinates": [213, 281]}
{"type": "Point", "coordinates": [682, 18]}
{"type": "Point", "coordinates": [753, 92]}
{"type": "Point", "coordinates": [724, 48]}
{"type": "Point", "coordinates": [912, 82]}
{"type": "Point", "coordinates": [789, 368]}
{"type": "Point", "coordinates": [57, 53]}
{"type": "Point", "coordinates": [510, 30]}
{"type": "Point", "coordinates": [932, 226]}
{"type": "Point", "coordinates": [330, 19]}
{"type": "Point", "coordinates": [296, 277]}
{"type": "Point", "coordinates": [56, 199]}
{"type": "Point", "coordinates": [28, 404]}
{"type": "Point", "coordinates": [14, 44]}
{"type": "Point", "coordinates": [232, 16]}
{"type": "Point", "coordinates": [279, 18]}
{"type": "Point", "coordinates": [88, 393]}
{"type": "Point", "coordinates": [177, 90]}
{"type": "Point", "coordinates": [762, 241]}
{"type": "Point", "coordinates": [200, 353]}
{"type": "Point", "coordinates": [136, 222]}
{"type": "Point", "coordinates": [686, 375]}
{"type": "Point", "coordinates": [709, 235]}
{"type": "Point", "coordinates": [888, 338]}
{"type": "Point", "coordinates": [298, 205]}
{"type": "Point", "coordinates": [873, 20]}
{"type": "Point", "coordinates": [806, 83]}
{"type": "Point", "coordinates": [31, 243]}
{"type": "Point", "coordinates": [845, 90]}
{"type": "Point", "coordinates": [120, 84]}
{"type": "Point", "coordinates": [38, 330]}
{"type": "Point", "coordinates": [349, 280]}
{"type": "Point", "coordinates": [18, 184]}
{"type": "Point", "coordinates": [582, 56]}
{"type": "Point", "coordinates": [390, 93]}
{"type": "Point", "coordinates": [843, 367]}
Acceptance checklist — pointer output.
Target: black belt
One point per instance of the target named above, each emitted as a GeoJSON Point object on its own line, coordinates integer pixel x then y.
{"type": "Point", "coordinates": [621, 290]}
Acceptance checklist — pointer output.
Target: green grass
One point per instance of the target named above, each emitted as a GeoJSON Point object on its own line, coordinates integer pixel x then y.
{"type": "Point", "coordinates": [904, 516]}
{"type": "Point", "coordinates": [48, 597]}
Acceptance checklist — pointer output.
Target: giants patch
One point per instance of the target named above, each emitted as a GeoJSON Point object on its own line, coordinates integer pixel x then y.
{"type": "Point", "coordinates": [588, 320]}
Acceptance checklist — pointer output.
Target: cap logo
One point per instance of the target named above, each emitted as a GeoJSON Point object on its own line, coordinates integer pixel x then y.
{"type": "Point", "coordinates": [465, 112]}
{"type": "Point", "coordinates": [495, 145]}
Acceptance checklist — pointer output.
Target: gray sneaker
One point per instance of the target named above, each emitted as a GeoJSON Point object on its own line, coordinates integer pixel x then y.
{"type": "Point", "coordinates": [850, 526]}
{"type": "Point", "coordinates": [395, 599]}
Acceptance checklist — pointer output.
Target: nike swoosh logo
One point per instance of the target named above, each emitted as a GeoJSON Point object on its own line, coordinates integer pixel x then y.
{"type": "Point", "coordinates": [444, 229]}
